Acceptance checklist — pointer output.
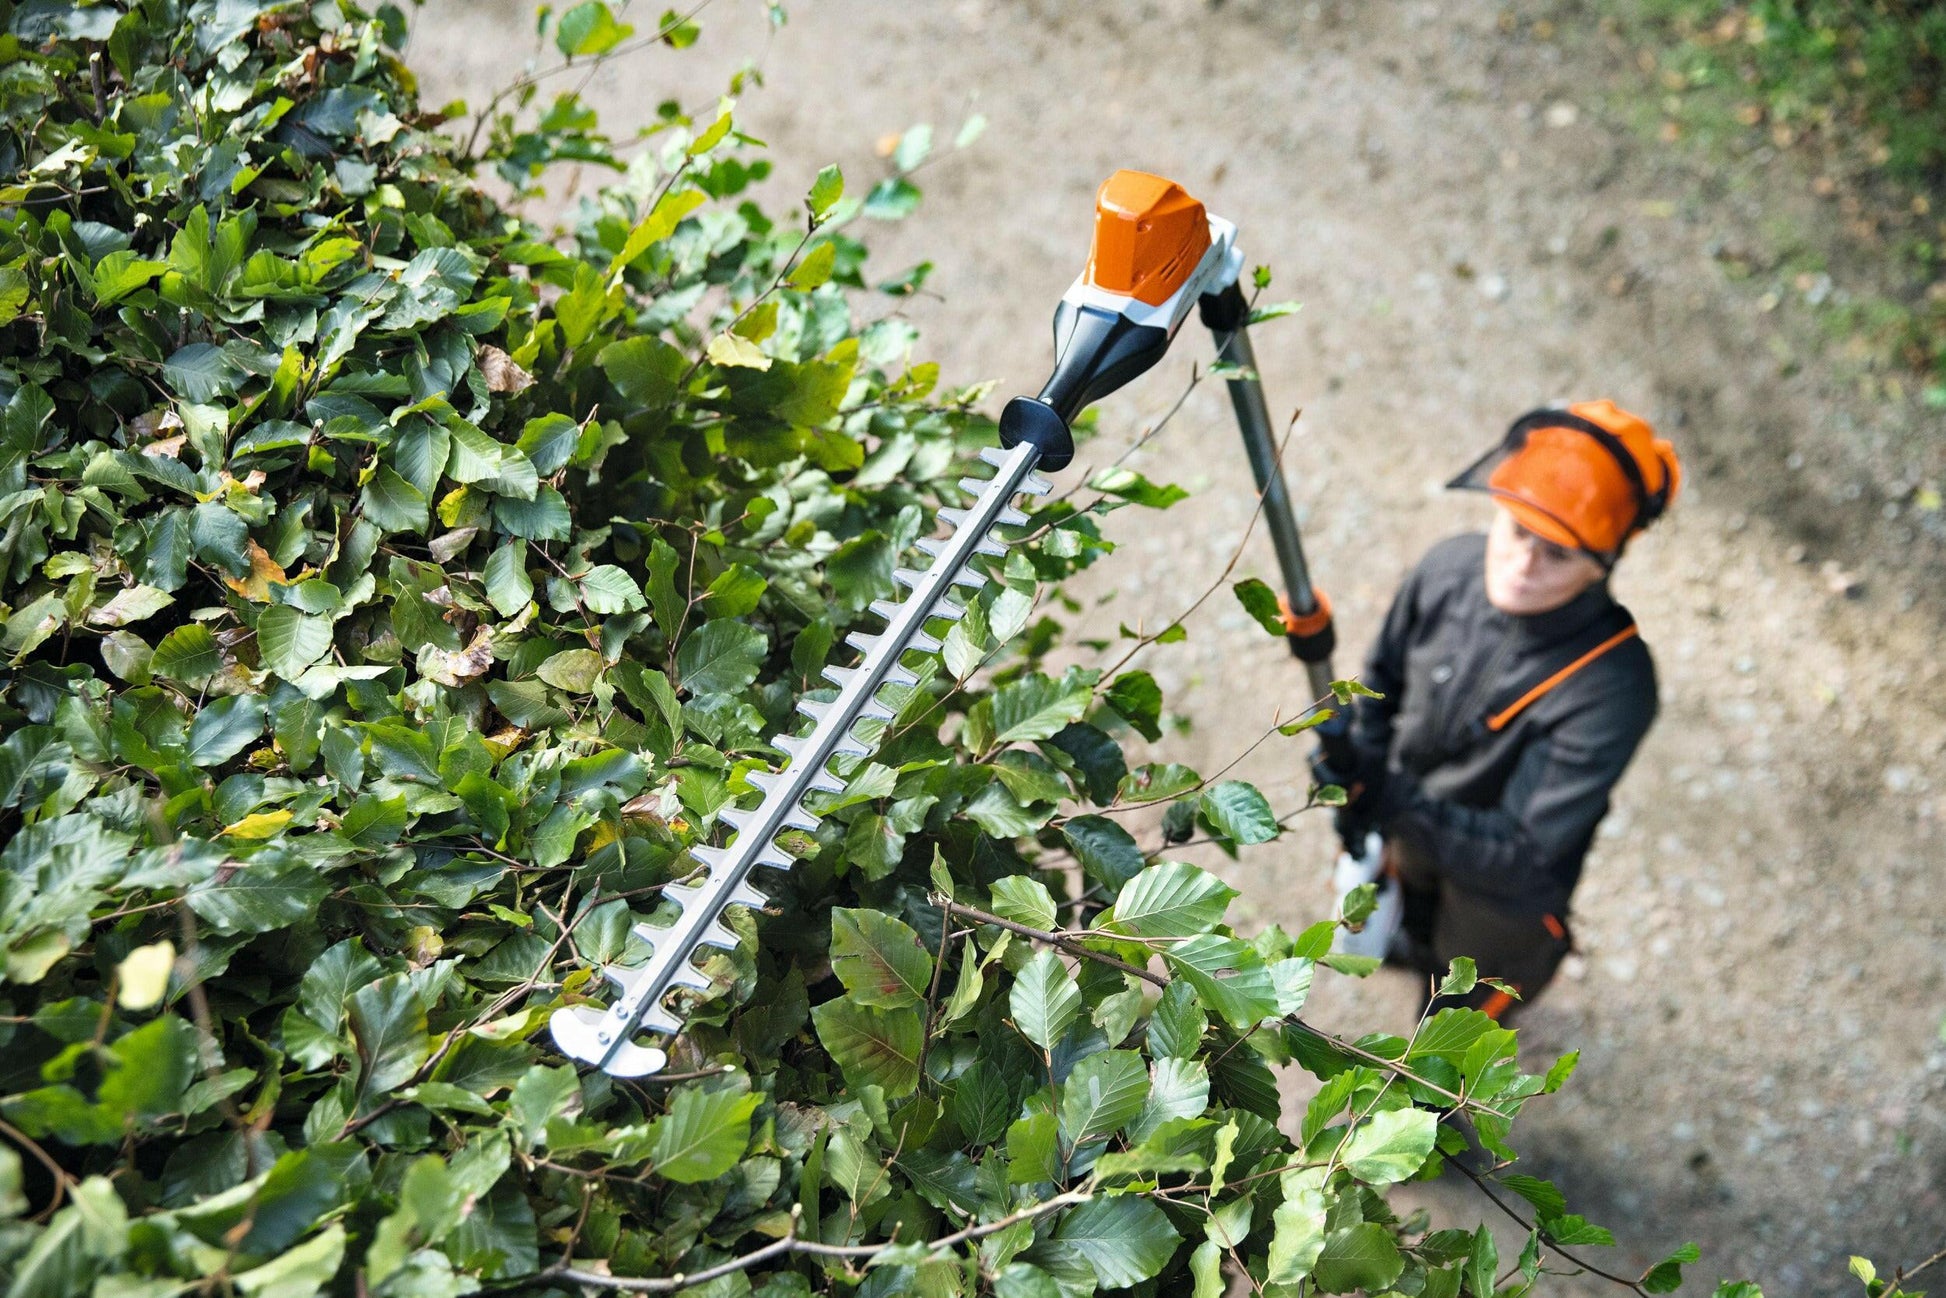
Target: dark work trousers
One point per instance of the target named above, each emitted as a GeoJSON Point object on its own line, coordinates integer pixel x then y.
{"type": "Point", "coordinates": [1442, 922]}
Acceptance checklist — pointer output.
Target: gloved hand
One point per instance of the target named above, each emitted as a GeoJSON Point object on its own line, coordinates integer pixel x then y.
{"type": "Point", "coordinates": [1337, 761]}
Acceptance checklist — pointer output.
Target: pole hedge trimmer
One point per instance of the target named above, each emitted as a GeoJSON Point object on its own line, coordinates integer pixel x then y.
{"type": "Point", "coordinates": [1156, 253]}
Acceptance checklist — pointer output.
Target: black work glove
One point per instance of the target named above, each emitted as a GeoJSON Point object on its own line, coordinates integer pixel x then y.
{"type": "Point", "coordinates": [1337, 761]}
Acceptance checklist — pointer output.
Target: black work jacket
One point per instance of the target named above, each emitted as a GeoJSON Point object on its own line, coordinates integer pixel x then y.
{"type": "Point", "coordinates": [1507, 815]}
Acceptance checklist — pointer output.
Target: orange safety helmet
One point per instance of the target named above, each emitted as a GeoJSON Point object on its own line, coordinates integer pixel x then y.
{"type": "Point", "coordinates": [1588, 477]}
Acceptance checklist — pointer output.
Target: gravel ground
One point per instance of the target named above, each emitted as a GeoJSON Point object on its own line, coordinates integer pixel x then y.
{"type": "Point", "coordinates": [1759, 993]}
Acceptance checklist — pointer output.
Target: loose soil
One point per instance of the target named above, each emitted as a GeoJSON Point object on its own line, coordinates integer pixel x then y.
{"type": "Point", "coordinates": [1759, 993]}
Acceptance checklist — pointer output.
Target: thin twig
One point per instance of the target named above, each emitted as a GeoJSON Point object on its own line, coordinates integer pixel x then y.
{"type": "Point", "coordinates": [791, 1243]}
{"type": "Point", "coordinates": [1498, 1202]}
{"type": "Point", "coordinates": [60, 1174]}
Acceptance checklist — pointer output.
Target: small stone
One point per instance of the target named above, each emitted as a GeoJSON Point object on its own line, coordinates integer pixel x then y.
{"type": "Point", "coordinates": [1494, 288]}
{"type": "Point", "coordinates": [1562, 114]}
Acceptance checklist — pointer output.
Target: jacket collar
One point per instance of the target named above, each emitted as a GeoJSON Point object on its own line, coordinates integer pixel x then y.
{"type": "Point", "coordinates": [1573, 617]}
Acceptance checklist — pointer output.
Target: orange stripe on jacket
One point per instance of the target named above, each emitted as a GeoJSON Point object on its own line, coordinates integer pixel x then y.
{"type": "Point", "coordinates": [1500, 720]}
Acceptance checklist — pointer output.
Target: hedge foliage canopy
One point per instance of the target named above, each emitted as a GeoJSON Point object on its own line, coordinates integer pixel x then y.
{"type": "Point", "coordinates": [393, 591]}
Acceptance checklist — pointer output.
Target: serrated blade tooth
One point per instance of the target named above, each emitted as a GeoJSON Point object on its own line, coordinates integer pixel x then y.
{"type": "Point", "coordinates": [922, 642]}
{"type": "Point", "coordinates": [931, 545]}
{"type": "Point", "coordinates": [789, 745]}
{"type": "Point", "coordinates": [900, 674]}
{"type": "Point", "coordinates": [991, 547]}
{"type": "Point", "coordinates": [1035, 485]}
{"type": "Point", "coordinates": [648, 933]}
{"type": "Point", "coordinates": [776, 858]}
{"type": "Point", "coordinates": [798, 818]}
{"type": "Point", "coordinates": [974, 486]}
{"type": "Point", "coordinates": [886, 608]}
{"type": "Point", "coordinates": [839, 676]}
{"type": "Point", "coordinates": [624, 981]}
{"type": "Point", "coordinates": [688, 975]}
{"type": "Point", "coordinates": [710, 857]}
{"type": "Point", "coordinates": [579, 1029]}
{"type": "Point", "coordinates": [765, 780]}
{"type": "Point", "coordinates": [1011, 517]}
{"type": "Point", "coordinates": [745, 895]}
{"type": "Point", "coordinates": [659, 1019]}
{"type": "Point", "coordinates": [826, 782]}
{"type": "Point", "coordinates": [813, 709]}
{"type": "Point", "coordinates": [952, 517]}
{"type": "Point", "coordinates": [969, 578]}
{"type": "Point", "coordinates": [734, 817]}
{"type": "Point", "coordinates": [907, 578]}
{"type": "Point", "coordinates": [849, 746]}
{"type": "Point", "coordinates": [994, 455]}
{"type": "Point", "coordinates": [862, 642]}
{"type": "Point", "coordinates": [876, 710]}
{"type": "Point", "coordinates": [683, 894]}
{"type": "Point", "coordinates": [948, 611]}
{"type": "Point", "coordinates": [718, 936]}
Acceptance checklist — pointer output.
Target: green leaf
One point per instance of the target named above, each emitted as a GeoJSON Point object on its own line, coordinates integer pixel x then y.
{"type": "Point", "coordinates": [224, 728]}
{"type": "Point", "coordinates": [644, 369]}
{"type": "Point", "coordinates": [1460, 979]}
{"type": "Point", "coordinates": [1169, 899]}
{"type": "Point", "coordinates": [1229, 976]}
{"type": "Point", "coordinates": [1038, 707]}
{"type": "Point", "coordinates": [1176, 1027]}
{"type": "Point", "coordinates": [1024, 900]}
{"type": "Point", "coordinates": [289, 641]}
{"type": "Point", "coordinates": [1107, 852]}
{"type": "Point", "coordinates": [720, 657]}
{"type": "Point", "coordinates": [1363, 1257]}
{"type": "Point", "coordinates": [702, 1135]}
{"type": "Point", "coordinates": [1547, 1200]}
{"type": "Point", "coordinates": [652, 229]}
{"type": "Point", "coordinates": [1261, 603]}
{"type": "Point", "coordinates": [1178, 1088]}
{"type": "Point", "coordinates": [606, 589]}
{"type": "Point", "coordinates": [393, 503]}
{"type": "Point", "coordinates": [200, 372]}
{"type": "Point", "coordinates": [1240, 812]}
{"type": "Point", "coordinates": [1033, 1149]}
{"type": "Point", "coordinates": [735, 592]}
{"type": "Point", "coordinates": [1102, 1093]}
{"type": "Point", "coordinates": [32, 759]}
{"type": "Point", "coordinates": [589, 29]}
{"type": "Point", "coordinates": [1666, 1275]}
{"type": "Point", "coordinates": [1390, 1146]}
{"type": "Point", "coordinates": [826, 190]}
{"type": "Point", "coordinates": [1044, 1000]}
{"type": "Point", "coordinates": [880, 960]}
{"type": "Point", "coordinates": [508, 587]}
{"type": "Point", "coordinates": [153, 1067]}
{"type": "Point", "coordinates": [1138, 699]}
{"type": "Point", "coordinates": [1299, 1226]}
{"type": "Point", "coordinates": [1123, 1239]}
{"type": "Point", "coordinates": [1482, 1262]}
{"type": "Point", "coordinates": [1132, 486]}
{"type": "Point", "coordinates": [873, 1047]}
{"type": "Point", "coordinates": [1155, 781]}
{"type": "Point", "coordinates": [388, 1025]}
{"type": "Point", "coordinates": [1563, 1068]}
{"type": "Point", "coordinates": [1571, 1229]}
{"type": "Point", "coordinates": [1272, 311]}
{"type": "Point", "coordinates": [187, 654]}
{"type": "Point", "coordinates": [573, 670]}
{"type": "Point", "coordinates": [300, 1271]}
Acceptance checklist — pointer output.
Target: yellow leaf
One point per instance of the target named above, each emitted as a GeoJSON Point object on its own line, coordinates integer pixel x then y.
{"type": "Point", "coordinates": [734, 351]}
{"type": "Point", "coordinates": [143, 975]}
{"type": "Point", "coordinates": [263, 571]}
{"type": "Point", "coordinates": [258, 824]}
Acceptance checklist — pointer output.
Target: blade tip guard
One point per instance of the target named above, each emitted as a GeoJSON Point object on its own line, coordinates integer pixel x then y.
{"type": "Point", "coordinates": [577, 1031]}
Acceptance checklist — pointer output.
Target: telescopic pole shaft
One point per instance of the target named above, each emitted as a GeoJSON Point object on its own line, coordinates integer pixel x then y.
{"type": "Point", "coordinates": [1253, 421]}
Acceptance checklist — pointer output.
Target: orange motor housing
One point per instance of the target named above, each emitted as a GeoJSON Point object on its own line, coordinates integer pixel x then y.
{"type": "Point", "coordinates": [1149, 237]}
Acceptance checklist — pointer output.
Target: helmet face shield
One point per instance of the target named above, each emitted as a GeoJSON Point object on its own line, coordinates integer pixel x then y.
{"type": "Point", "coordinates": [1569, 481]}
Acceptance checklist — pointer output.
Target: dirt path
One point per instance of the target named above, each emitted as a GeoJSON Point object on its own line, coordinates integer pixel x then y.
{"type": "Point", "coordinates": [1760, 1000]}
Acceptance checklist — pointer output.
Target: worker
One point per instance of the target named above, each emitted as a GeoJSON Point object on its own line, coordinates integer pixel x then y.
{"type": "Point", "coordinates": [1514, 692]}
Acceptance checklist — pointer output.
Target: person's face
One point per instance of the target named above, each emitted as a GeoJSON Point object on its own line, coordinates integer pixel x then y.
{"type": "Point", "coordinates": [1529, 574]}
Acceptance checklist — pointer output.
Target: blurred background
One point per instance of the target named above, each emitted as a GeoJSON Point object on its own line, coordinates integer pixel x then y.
{"type": "Point", "coordinates": [1719, 215]}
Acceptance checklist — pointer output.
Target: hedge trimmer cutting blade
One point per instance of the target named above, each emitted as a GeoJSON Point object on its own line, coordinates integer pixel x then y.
{"type": "Point", "coordinates": [1155, 254]}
